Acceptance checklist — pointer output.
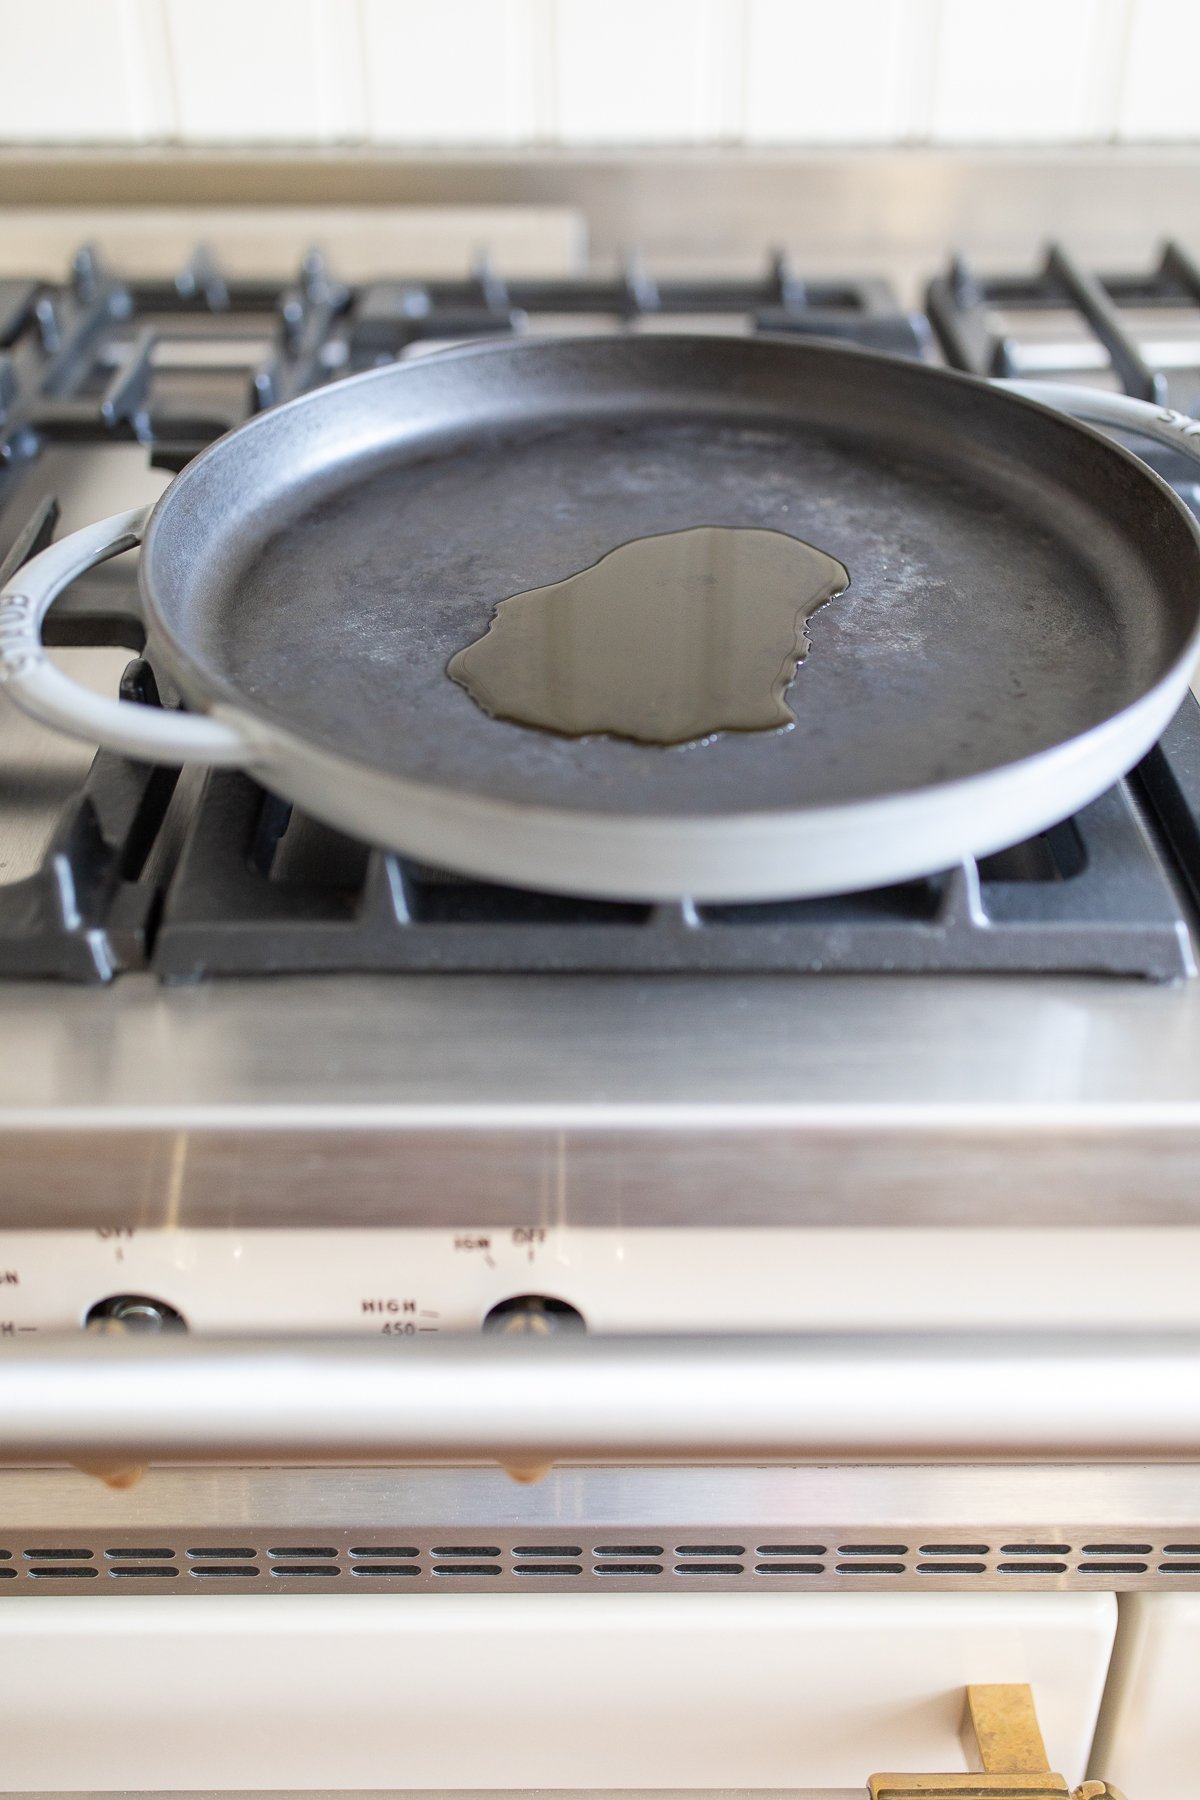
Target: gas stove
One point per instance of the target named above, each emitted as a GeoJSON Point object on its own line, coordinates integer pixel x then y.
{"type": "Point", "coordinates": [261, 1082]}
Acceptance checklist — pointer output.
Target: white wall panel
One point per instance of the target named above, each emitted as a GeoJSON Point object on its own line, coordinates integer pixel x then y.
{"type": "Point", "coordinates": [75, 71]}
{"type": "Point", "coordinates": [847, 73]}
{"type": "Point", "coordinates": [263, 71]}
{"type": "Point", "coordinates": [149, 71]}
{"type": "Point", "coordinates": [341, 68]}
{"type": "Point", "coordinates": [1033, 71]}
{"type": "Point", "coordinates": [639, 71]}
{"type": "Point", "coordinates": [1160, 91]}
{"type": "Point", "coordinates": [456, 72]}
{"type": "Point", "coordinates": [580, 72]}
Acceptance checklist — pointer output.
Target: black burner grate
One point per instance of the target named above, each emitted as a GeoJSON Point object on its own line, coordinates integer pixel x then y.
{"type": "Point", "coordinates": [1136, 332]}
{"type": "Point", "coordinates": [259, 890]}
{"type": "Point", "coordinates": [174, 364]}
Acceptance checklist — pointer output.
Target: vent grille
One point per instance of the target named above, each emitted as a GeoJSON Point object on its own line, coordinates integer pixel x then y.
{"type": "Point", "coordinates": [824, 1559]}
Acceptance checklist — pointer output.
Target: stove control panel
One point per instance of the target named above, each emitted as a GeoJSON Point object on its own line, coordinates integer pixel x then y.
{"type": "Point", "coordinates": [536, 1280]}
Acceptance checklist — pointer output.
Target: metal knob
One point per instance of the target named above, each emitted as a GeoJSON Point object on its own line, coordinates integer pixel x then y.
{"type": "Point", "coordinates": [139, 1313]}
{"type": "Point", "coordinates": [534, 1315]}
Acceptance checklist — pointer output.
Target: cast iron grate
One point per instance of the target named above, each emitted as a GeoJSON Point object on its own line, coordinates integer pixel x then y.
{"type": "Point", "coordinates": [261, 890]}
{"type": "Point", "coordinates": [1135, 331]}
{"type": "Point", "coordinates": [172, 364]}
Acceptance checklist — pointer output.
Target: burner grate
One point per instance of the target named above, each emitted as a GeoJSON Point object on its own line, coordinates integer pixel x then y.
{"type": "Point", "coordinates": [390, 317]}
{"type": "Point", "coordinates": [1135, 332]}
{"type": "Point", "coordinates": [173, 364]}
{"type": "Point", "coordinates": [1091, 896]}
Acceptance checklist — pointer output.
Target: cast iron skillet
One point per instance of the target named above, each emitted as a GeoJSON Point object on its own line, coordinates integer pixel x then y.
{"type": "Point", "coordinates": [1020, 626]}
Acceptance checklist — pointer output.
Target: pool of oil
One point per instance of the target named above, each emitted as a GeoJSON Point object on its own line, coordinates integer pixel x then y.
{"type": "Point", "coordinates": [670, 639]}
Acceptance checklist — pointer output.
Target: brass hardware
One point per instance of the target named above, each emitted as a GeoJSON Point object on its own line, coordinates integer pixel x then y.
{"type": "Point", "coordinates": [118, 1476]}
{"type": "Point", "coordinates": [1003, 1742]}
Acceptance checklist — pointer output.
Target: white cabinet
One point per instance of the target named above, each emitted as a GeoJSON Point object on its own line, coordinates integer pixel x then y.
{"type": "Point", "coordinates": [593, 1691]}
{"type": "Point", "coordinates": [1149, 1737]}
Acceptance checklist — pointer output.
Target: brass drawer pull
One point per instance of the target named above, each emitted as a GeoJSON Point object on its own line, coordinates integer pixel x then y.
{"type": "Point", "coordinates": [1004, 1744]}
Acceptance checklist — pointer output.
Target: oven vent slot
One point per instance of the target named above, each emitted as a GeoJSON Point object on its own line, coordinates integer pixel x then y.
{"type": "Point", "coordinates": [545, 1551]}
{"type": "Point", "coordinates": [627, 1568]}
{"type": "Point", "coordinates": [800, 1551]}
{"type": "Point", "coordinates": [721, 1559]}
{"type": "Point", "coordinates": [1032, 1568]}
{"type": "Point", "coordinates": [383, 1552]}
{"type": "Point", "coordinates": [875, 1550]}
{"type": "Point", "coordinates": [949, 1567]}
{"type": "Point", "coordinates": [789, 1568]}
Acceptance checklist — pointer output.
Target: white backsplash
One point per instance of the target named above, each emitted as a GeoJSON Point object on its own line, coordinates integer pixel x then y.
{"type": "Point", "coordinates": [599, 72]}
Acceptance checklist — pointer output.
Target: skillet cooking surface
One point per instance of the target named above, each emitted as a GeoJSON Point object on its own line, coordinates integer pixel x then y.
{"type": "Point", "coordinates": [1011, 575]}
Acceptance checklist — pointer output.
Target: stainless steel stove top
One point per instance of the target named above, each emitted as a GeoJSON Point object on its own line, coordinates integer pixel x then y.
{"type": "Point", "coordinates": [760, 1101]}
{"type": "Point", "coordinates": [802, 1098]}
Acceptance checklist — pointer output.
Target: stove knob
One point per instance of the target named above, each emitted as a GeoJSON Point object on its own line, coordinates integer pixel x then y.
{"type": "Point", "coordinates": [534, 1315]}
{"type": "Point", "coordinates": [134, 1312]}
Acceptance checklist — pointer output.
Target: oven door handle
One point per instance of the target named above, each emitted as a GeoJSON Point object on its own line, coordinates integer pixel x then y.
{"type": "Point", "coordinates": [528, 1402]}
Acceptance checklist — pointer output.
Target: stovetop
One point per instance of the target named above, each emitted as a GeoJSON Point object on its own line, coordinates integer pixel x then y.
{"type": "Point", "coordinates": [109, 379]}
{"type": "Point", "coordinates": [1051, 1097]}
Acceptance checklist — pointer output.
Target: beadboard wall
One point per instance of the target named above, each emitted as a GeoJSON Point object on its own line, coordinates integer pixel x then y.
{"type": "Point", "coordinates": [510, 73]}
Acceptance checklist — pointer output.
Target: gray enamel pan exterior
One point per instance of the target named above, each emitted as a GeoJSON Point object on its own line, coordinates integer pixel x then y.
{"type": "Point", "coordinates": [1021, 623]}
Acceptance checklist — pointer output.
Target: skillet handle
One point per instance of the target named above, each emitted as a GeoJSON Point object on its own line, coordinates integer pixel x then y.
{"type": "Point", "coordinates": [29, 678]}
{"type": "Point", "coordinates": [1120, 412]}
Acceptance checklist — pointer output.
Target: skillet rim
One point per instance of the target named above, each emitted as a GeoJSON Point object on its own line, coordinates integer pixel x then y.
{"type": "Point", "coordinates": [267, 733]}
